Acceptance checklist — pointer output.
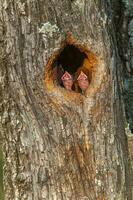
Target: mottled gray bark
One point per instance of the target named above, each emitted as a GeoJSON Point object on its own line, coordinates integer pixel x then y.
{"type": "Point", "coordinates": [128, 50]}
{"type": "Point", "coordinates": [59, 144]}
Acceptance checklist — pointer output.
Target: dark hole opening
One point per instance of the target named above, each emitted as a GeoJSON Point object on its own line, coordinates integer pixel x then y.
{"type": "Point", "coordinates": [71, 58]}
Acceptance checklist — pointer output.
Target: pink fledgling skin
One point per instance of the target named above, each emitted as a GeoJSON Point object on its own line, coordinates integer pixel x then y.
{"type": "Point", "coordinates": [83, 81]}
{"type": "Point", "coordinates": [67, 81]}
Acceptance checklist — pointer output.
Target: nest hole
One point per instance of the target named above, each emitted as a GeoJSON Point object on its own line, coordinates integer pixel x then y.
{"type": "Point", "coordinates": [72, 58]}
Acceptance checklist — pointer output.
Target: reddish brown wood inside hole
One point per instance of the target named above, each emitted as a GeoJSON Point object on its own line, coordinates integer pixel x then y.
{"type": "Point", "coordinates": [71, 57]}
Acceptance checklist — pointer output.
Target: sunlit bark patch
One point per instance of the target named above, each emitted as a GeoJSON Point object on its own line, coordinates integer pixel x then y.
{"type": "Point", "coordinates": [73, 58]}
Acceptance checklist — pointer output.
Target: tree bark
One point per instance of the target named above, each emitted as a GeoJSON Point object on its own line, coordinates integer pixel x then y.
{"type": "Point", "coordinates": [59, 144]}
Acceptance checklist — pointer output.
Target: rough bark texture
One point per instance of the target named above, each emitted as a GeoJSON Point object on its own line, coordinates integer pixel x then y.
{"type": "Point", "coordinates": [127, 57]}
{"type": "Point", "coordinates": [59, 144]}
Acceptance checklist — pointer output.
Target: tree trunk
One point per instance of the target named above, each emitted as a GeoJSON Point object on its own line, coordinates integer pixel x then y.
{"type": "Point", "coordinates": [60, 144]}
